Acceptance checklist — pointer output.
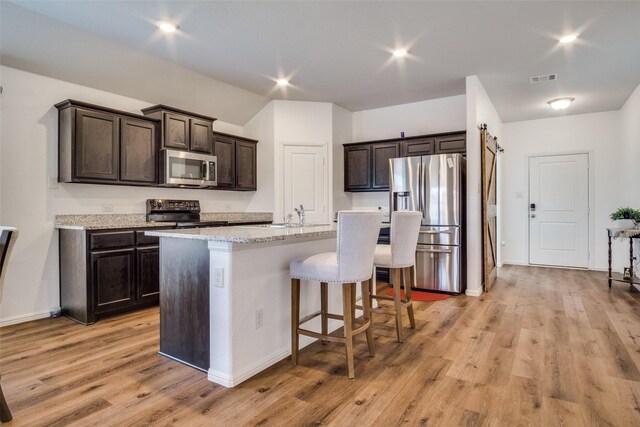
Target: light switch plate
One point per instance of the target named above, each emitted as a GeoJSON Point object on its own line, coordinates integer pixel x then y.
{"type": "Point", "coordinates": [218, 277]}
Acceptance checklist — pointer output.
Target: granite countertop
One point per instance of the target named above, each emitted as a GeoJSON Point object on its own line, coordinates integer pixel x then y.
{"type": "Point", "coordinates": [623, 232]}
{"type": "Point", "coordinates": [111, 221]}
{"type": "Point", "coordinates": [249, 233]}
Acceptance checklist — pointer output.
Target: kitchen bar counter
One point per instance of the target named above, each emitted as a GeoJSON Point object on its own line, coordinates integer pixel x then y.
{"type": "Point", "coordinates": [114, 221]}
{"type": "Point", "coordinates": [225, 296]}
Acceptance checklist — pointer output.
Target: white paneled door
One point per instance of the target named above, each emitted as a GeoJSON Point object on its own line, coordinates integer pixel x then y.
{"type": "Point", "coordinates": [305, 182]}
{"type": "Point", "coordinates": [559, 210]}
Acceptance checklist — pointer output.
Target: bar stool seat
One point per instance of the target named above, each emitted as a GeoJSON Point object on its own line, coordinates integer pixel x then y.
{"type": "Point", "coordinates": [399, 257]}
{"type": "Point", "coordinates": [351, 263]}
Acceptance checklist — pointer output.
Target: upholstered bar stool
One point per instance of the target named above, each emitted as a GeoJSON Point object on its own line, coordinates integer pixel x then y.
{"type": "Point", "coordinates": [400, 258]}
{"type": "Point", "coordinates": [356, 243]}
{"type": "Point", "coordinates": [8, 236]}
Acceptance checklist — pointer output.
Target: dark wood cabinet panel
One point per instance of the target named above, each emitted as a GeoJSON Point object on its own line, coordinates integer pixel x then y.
{"type": "Point", "coordinates": [381, 154]}
{"type": "Point", "coordinates": [246, 168]}
{"type": "Point", "coordinates": [111, 239]}
{"type": "Point", "coordinates": [237, 159]}
{"type": "Point", "coordinates": [96, 148]}
{"type": "Point", "coordinates": [100, 145]}
{"type": "Point", "coordinates": [176, 131]}
{"type": "Point", "coordinates": [201, 136]}
{"type": "Point", "coordinates": [138, 151]}
{"type": "Point", "coordinates": [418, 147]}
{"type": "Point", "coordinates": [225, 152]}
{"type": "Point", "coordinates": [357, 164]}
{"type": "Point", "coordinates": [366, 164]}
{"type": "Point", "coordinates": [451, 144]}
{"type": "Point", "coordinates": [148, 263]}
{"type": "Point", "coordinates": [112, 273]}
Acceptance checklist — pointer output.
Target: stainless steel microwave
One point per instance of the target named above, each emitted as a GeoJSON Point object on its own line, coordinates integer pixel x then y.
{"type": "Point", "coordinates": [185, 169]}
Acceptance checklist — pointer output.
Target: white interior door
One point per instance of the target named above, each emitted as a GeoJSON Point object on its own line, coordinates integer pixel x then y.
{"type": "Point", "coordinates": [305, 182]}
{"type": "Point", "coordinates": [559, 210]}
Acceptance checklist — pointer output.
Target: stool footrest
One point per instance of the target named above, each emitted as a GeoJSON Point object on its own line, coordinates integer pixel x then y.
{"type": "Point", "coordinates": [309, 317]}
{"type": "Point", "coordinates": [320, 336]}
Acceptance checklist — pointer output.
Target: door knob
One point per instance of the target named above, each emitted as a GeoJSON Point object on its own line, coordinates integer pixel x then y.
{"type": "Point", "coordinates": [533, 215]}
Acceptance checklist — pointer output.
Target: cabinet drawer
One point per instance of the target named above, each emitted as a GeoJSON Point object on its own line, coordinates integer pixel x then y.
{"type": "Point", "coordinates": [141, 239]}
{"type": "Point", "coordinates": [112, 239]}
{"type": "Point", "coordinates": [417, 147]}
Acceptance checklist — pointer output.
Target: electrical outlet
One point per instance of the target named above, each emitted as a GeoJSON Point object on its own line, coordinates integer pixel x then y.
{"type": "Point", "coordinates": [218, 277]}
{"type": "Point", "coordinates": [106, 207]}
{"type": "Point", "coordinates": [259, 319]}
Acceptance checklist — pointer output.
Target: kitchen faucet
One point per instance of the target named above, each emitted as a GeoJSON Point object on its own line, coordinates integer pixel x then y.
{"type": "Point", "coordinates": [300, 213]}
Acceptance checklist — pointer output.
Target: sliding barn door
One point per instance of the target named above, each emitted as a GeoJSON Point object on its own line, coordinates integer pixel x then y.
{"type": "Point", "coordinates": [489, 207]}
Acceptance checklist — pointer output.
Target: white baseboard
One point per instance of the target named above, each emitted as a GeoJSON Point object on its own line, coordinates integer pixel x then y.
{"type": "Point", "coordinates": [229, 381]}
{"type": "Point", "coordinates": [27, 317]}
{"type": "Point", "coordinates": [473, 292]}
{"type": "Point", "coordinates": [514, 263]}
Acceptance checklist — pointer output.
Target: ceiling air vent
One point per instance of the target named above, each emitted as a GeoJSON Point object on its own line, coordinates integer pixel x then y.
{"type": "Point", "coordinates": [546, 78]}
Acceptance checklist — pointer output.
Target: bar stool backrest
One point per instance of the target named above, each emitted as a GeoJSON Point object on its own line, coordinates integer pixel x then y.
{"type": "Point", "coordinates": [405, 229]}
{"type": "Point", "coordinates": [357, 237]}
{"type": "Point", "coordinates": [8, 236]}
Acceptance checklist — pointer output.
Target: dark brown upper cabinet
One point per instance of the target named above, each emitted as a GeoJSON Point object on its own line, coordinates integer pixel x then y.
{"type": "Point", "coordinates": [357, 167]}
{"type": "Point", "coordinates": [366, 164]}
{"type": "Point", "coordinates": [381, 154]}
{"type": "Point", "coordinates": [138, 151]}
{"type": "Point", "coordinates": [236, 162]}
{"type": "Point", "coordinates": [183, 130]}
{"type": "Point", "coordinates": [105, 146]}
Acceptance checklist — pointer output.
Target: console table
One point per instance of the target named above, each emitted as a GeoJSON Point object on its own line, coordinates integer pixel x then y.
{"type": "Point", "coordinates": [629, 234]}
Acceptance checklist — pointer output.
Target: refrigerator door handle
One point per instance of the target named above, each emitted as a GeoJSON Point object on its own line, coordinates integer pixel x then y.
{"type": "Point", "coordinates": [436, 232]}
{"type": "Point", "coordinates": [420, 190]}
{"type": "Point", "coordinates": [435, 251]}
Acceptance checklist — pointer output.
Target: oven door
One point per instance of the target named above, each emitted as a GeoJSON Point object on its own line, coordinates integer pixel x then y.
{"type": "Point", "coordinates": [185, 169]}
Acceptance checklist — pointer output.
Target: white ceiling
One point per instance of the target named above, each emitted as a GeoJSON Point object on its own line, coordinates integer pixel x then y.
{"type": "Point", "coordinates": [340, 51]}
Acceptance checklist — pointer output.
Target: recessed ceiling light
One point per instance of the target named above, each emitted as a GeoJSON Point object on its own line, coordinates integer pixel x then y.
{"type": "Point", "coordinates": [399, 52]}
{"type": "Point", "coordinates": [560, 103]}
{"type": "Point", "coordinates": [568, 38]}
{"type": "Point", "coordinates": [167, 27]}
{"type": "Point", "coordinates": [282, 82]}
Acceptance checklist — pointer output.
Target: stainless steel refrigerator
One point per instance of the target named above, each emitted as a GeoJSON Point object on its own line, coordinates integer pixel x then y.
{"type": "Point", "coordinates": [434, 185]}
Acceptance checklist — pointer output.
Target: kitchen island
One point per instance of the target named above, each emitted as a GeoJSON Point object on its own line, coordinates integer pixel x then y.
{"type": "Point", "coordinates": [225, 295]}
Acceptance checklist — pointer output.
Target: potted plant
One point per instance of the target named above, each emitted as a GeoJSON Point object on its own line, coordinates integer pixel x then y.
{"type": "Point", "coordinates": [626, 218]}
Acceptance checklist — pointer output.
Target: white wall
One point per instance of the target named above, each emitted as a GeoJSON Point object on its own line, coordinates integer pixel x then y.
{"type": "Point", "coordinates": [597, 134]}
{"type": "Point", "coordinates": [342, 130]}
{"type": "Point", "coordinates": [261, 127]}
{"type": "Point", "coordinates": [29, 141]}
{"type": "Point", "coordinates": [480, 110]}
{"type": "Point", "coordinates": [417, 118]}
{"type": "Point", "coordinates": [630, 155]}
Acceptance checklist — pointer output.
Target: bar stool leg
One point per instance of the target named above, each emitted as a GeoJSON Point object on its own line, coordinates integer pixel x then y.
{"type": "Point", "coordinates": [324, 306]}
{"type": "Point", "coordinates": [396, 302]}
{"type": "Point", "coordinates": [353, 302]}
{"type": "Point", "coordinates": [295, 318]}
{"type": "Point", "coordinates": [5, 413]}
{"type": "Point", "coordinates": [366, 307]}
{"type": "Point", "coordinates": [407, 292]}
{"type": "Point", "coordinates": [348, 326]}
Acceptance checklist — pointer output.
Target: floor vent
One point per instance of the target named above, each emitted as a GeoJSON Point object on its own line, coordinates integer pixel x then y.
{"type": "Point", "coordinates": [546, 78]}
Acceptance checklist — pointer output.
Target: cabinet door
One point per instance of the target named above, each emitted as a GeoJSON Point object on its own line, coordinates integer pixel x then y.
{"type": "Point", "coordinates": [148, 273]}
{"type": "Point", "coordinates": [381, 154]}
{"type": "Point", "coordinates": [246, 165]}
{"type": "Point", "coordinates": [225, 152]}
{"type": "Point", "coordinates": [138, 151]}
{"type": "Point", "coordinates": [418, 147]}
{"type": "Point", "coordinates": [451, 144]}
{"type": "Point", "coordinates": [201, 136]}
{"type": "Point", "coordinates": [357, 171]}
{"type": "Point", "coordinates": [96, 145]}
{"type": "Point", "coordinates": [176, 131]}
{"type": "Point", "coordinates": [113, 279]}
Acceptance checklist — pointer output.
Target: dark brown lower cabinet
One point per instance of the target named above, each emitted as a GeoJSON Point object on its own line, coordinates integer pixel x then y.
{"type": "Point", "coordinates": [105, 272]}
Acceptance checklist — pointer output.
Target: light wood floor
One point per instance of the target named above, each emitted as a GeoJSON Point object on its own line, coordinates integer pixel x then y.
{"type": "Point", "coordinates": [545, 347]}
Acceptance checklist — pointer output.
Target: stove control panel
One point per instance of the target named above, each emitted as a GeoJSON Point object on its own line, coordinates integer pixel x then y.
{"type": "Point", "coordinates": [168, 205]}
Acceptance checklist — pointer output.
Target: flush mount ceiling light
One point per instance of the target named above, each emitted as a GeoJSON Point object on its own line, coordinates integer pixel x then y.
{"type": "Point", "coordinates": [399, 53]}
{"type": "Point", "coordinates": [568, 38]}
{"type": "Point", "coordinates": [167, 27]}
{"type": "Point", "coordinates": [560, 103]}
{"type": "Point", "coordinates": [282, 82]}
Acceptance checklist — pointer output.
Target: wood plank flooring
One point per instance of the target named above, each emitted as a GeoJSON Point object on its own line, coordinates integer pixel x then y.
{"type": "Point", "coordinates": [545, 347]}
